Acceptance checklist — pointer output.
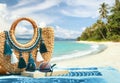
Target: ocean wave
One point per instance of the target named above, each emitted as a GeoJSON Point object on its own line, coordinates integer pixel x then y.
{"type": "Point", "coordinates": [95, 48]}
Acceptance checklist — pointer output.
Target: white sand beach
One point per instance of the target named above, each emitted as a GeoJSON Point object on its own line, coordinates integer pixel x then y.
{"type": "Point", "coordinates": [109, 57]}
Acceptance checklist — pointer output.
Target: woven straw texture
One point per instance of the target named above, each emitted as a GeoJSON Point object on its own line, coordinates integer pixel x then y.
{"type": "Point", "coordinates": [5, 64]}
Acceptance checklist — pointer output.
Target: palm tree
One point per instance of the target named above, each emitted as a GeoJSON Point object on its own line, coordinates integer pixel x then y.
{"type": "Point", "coordinates": [117, 5]}
{"type": "Point", "coordinates": [103, 10]}
{"type": "Point", "coordinates": [114, 18]}
{"type": "Point", "coordinates": [97, 26]}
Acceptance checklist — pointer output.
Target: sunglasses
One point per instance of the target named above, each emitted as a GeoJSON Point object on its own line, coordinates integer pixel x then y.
{"type": "Point", "coordinates": [44, 67]}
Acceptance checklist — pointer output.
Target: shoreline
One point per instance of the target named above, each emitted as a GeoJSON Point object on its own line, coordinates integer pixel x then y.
{"type": "Point", "coordinates": [93, 49]}
{"type": "Point", "coordinates": [108, 57]}
{"type": "Point", "coordinates": [79, 55]}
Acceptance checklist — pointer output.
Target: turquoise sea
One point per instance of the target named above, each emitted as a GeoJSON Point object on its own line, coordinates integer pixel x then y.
{"type": "Point", "coordinates": [70, 49]}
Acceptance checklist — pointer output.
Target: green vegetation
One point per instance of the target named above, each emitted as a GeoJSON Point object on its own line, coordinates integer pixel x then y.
{"type": "Point", "coordinates": [107, 27]}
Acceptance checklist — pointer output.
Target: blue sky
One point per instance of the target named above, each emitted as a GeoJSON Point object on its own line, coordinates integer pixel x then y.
{"type": "Point", "coordinates": [68, 17]}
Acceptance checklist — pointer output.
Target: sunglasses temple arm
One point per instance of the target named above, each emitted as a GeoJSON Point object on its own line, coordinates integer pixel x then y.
{"type": "Point", "coordinates": [53, 65]}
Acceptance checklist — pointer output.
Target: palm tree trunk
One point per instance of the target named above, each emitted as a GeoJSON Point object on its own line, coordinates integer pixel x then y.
{"type": "Point", "coordinates": [102, 34]}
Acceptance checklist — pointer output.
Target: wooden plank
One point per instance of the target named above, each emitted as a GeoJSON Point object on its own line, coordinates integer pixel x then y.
{"type": "Point", "coordinates": [38, 74]}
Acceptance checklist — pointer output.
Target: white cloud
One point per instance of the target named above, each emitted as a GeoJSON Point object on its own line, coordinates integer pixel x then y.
{"type": "Point", "coordinates": [33, 10]}
{"type": "Point", "coordinates": [83, 8]}
{"type": "Point", "coordinates": [29, 9]}
{"type": "Point", "coordinates": [2, 8]}
{"type": "Point", "coordinates": [43, 18]}
{"type": "Point", "coordinates": [4, 24]}
{"type": "Point", "coordinates": [42, 25]}
{"type": "Point", "coordinates": [80, 13]}
{"type": "Point", "coordinates": [6, 20]}
{"type": "Point", "coordinates": [65, 33]}
{"type": "Point", "coordinates": [22, 3]}
{"type": "Point", "coordinates": [23, 32]}
{"type": "Point", "coordinates": [83, 28]}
